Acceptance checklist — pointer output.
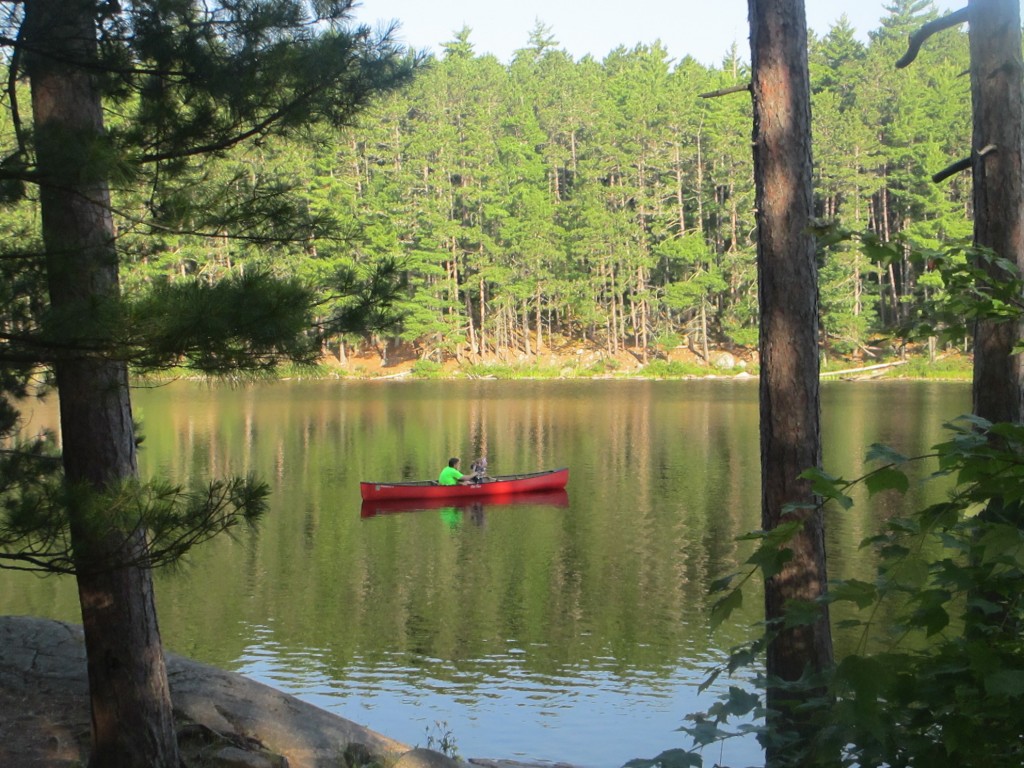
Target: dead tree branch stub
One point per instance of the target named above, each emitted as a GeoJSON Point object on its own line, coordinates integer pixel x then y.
{"type": "Point", "coordinates": [960, 165]}
{"type": "Point", "coordinates": [916, 40]}
{"type": "Point", "coordinates": [726, 91]}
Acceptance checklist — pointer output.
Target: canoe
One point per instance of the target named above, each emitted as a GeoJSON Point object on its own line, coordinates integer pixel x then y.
{"type": "Point", "coordinates": [559, 498]}
{"type": "Point", "coordinates": [502, 485]}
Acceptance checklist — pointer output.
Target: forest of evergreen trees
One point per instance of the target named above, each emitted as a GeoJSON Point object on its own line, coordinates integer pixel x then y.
{"type": "Point", "coordinates": [549, 199]}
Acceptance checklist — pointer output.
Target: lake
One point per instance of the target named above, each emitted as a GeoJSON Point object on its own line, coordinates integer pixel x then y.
{"type": "Point", "coordinates": [570, 631]}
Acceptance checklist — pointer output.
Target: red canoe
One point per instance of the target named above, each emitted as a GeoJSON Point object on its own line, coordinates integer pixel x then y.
{"type": "Point", "coordinates": [502, 485]}
{"type": "Point", "coordinates": [471, 504]}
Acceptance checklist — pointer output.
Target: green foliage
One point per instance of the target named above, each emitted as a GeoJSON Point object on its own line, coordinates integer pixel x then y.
{"type": "Point", "coordinates": [673, 369]}
{"type": "Point", "coordinates": [956, 367]}
{"type": "Point", "coordinates": [502, 371]}
{"type": "Point", "coordinates": [263, 71]}
{"type": "Point", "coordinates": [427, 369]}
{"type": "Point", "coordinates": [965, 291]}
{"type": "Point", "coordinates": [35, 533]}
{"type": "Point", "coordinates": [958, 283]}
{"type": "Point", "coordinates": [251, 322]}
{"type": "Point", "coordinates": [442, 739]}
{"type": "Point", "coordinates": [601, 367]}
{"type": "Point", "coordinates": [667, 341]}
{"type": "Point", "coordinates": [598, 199]}
{"type": "Point", "coordinates": [208, 119]}
{"type": "Point", "coordinates": [939, 658]}
{"type": "Point", "coordinates": [740, 324]}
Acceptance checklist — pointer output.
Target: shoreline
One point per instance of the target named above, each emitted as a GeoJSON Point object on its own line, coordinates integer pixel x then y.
{"type": "Point", "coordinates": [591, 367]}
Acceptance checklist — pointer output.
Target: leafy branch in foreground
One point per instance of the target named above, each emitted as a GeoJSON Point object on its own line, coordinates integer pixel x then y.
{"type": "Point", "coordinates": [38, 509]}
{"type": "Point", "coordinates": [958, 284]}
{"type": "Point", "coordinates": [242, 323]}
{"type": "Point", "coordinates": [940, 654]}
{"type": "Point", "coordinates": [35, 527]}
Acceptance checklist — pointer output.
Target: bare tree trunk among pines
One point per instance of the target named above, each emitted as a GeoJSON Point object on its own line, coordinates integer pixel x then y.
{"type": "Point", "coordinates": [483, 317]}
{"type": "Point", "coordinates": [131, 708]}
{"type": "Point", "coordinates": [788, 293]}
{"type": "Point", "coordinates": [700, 181]}
{"type": "Point", "coordinates": [473, 348]}
{"type": "Point", "coordinates": [539, 318]}
{"type": "Point", "coordinates": [997, 89]}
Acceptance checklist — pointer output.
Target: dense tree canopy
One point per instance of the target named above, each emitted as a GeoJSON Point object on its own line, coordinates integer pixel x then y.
{"type": "Point", "coordinates": [178, 176]}
{"type": "Point", "coordinates": [603, 200]}
{"type": "Point", "coordinates": [112, 112]}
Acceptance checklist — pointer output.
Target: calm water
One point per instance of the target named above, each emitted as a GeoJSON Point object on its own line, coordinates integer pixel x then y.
{"type": "Point", "coordinates": [540, 632]}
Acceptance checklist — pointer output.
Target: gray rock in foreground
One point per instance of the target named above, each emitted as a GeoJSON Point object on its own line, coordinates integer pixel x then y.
{"type": "Point", "coordinates": [44, 695]}
{"type": "Point", "coordinates": [44, 712]}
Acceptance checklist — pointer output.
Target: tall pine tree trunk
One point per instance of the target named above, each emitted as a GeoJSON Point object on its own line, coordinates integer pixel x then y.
{"type": "Point", "coordinates": [539, 318]}
{"type": "Point", "coordinates": [677, 162]}
{"type": "Point", "coordinates": [526, 328]}
{"type": "Point", "coordinates": [787, 289]}
{"type": "Point", "coordinates": [483, 317]}
{"type": "Point", "coordinates": [996, 88]}
{"type": "Point", "coordinates": [700, 182]}
{"type": "Point", "coordinates": [132, 725]}
{"type": "Point", "coordinates": [704, 333]}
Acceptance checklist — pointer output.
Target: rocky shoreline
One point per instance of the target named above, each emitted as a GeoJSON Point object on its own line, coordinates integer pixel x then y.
{"type": "Point", "coordinates": [224, 719]}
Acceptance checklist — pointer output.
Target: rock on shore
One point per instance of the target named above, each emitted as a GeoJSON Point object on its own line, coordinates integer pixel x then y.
{"type": "Point", "coordinates": [223, 718]}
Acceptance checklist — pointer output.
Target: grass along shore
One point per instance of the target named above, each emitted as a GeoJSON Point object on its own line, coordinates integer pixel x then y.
{"type": "Point", "coordinates": [584, 364]}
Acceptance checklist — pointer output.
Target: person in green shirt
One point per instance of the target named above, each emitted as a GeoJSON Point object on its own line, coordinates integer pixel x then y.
{"type": "Point", "coordinates": [451, 475]}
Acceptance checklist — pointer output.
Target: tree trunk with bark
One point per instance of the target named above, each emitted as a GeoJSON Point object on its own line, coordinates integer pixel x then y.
{"type": "Point", "coordinates": [997, 90]}
{"type": "Point", "coordinates": [132, 725]}
{"type": "Point", "coordinates": [787, 289]}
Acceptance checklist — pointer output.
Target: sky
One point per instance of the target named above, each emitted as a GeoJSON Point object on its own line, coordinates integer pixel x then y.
{"type": "Point", "coordinates": [704, 29]}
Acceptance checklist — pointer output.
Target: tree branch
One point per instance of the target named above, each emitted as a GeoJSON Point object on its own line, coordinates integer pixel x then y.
{"type": "Point", "coordinates": [725, 91]}
{"type": "Point", "coordinates": [13, 71]}
{"type": "Point", "coordinates": [961, 165]}
{"type": "Point", "coordinates": [916, 40]}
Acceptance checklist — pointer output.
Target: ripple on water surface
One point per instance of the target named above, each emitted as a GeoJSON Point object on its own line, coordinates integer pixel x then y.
{"type": "Point", "coordinates": [546, 716]}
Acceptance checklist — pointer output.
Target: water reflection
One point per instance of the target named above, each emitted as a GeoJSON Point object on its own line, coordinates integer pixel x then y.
{"type": "Point", "coordinates": [568, 631]}
{"type": "Point", "coordinates": [475, 507]}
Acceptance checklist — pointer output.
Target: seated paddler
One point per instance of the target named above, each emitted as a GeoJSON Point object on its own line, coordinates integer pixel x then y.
{"type": "Point", "coordinates": [451, 475]}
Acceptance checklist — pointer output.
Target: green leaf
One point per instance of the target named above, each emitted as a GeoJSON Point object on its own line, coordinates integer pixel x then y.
{"type": "Point", "coordinates": [770, 560]}
{"type": "Point", "coordinates": [862, 673]}
{"type": "Point", "coordinates": [849, 624]}
{"type": "Point", "coordinates": [942, 516]}
{"type": "Point", "coordinates": [721, 610]}
{"type": "Point", "coordinates": [884, 454]}
{"type": "Point", "coordinates": [931, 614]}
{"type": "Point", "coordinates": [861, 593]}
{"type": "Point", "coordinates": [999, 541]}
{"type": "Point", "coordinates": [737, 703]}
{"type": "Point", "coordinates": [887, 479]}
{"type": "Point", "coordinates": [709, 680]}
{"type": "Point", "coordinates": [904, 525]}
{"type": "Point", "coordinates": [1011, 432]}
{"type": "Point", "coordinates": [912, 573]}
{"type": "Point", "coordinates": [722, 584]}
{"type": "Point", "coordinates": [746, 656]}
{"type": "Point", "coordinates": [706, 732]}
{"type": "Point", "coordinates": [1005, 683]}
{"type": "Point", "coordinates": [986, 607]}
{"type": "Point", "coordinates": [802, 613]}
{"type": "Point", "coordinates": [782, 534]}
{"type": "Point", "coordinates": [827, 486]}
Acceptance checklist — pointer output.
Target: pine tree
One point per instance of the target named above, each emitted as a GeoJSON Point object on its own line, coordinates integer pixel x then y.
{"type": "Point", "coordinates": [789, 399]}
{"type": "Point", "coordinates": [190, 82]}
{"type": "Point", "coordinates": [997, 89]}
